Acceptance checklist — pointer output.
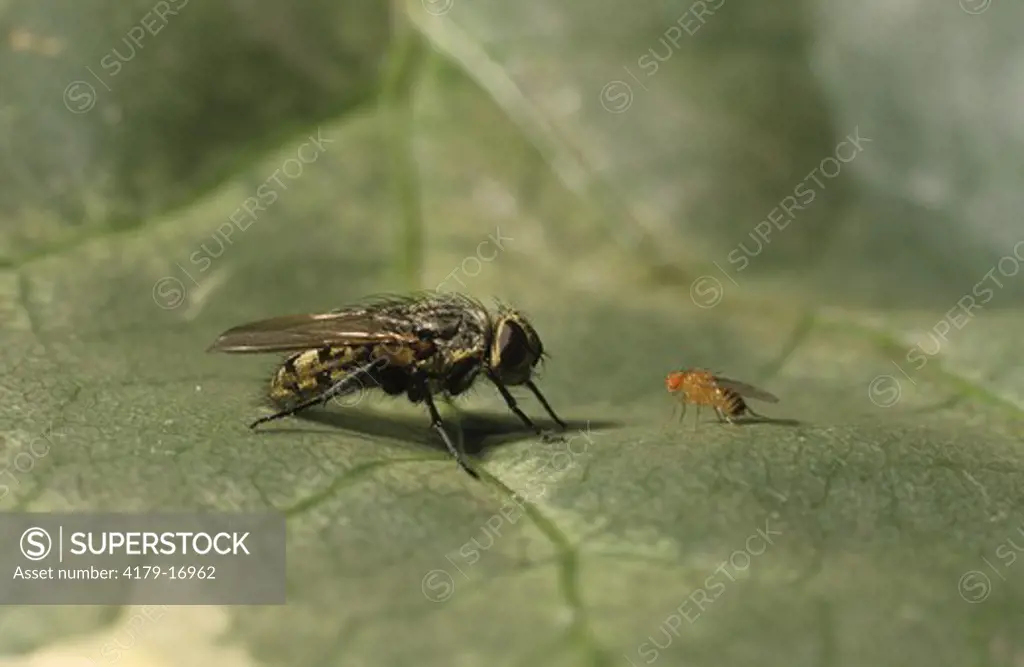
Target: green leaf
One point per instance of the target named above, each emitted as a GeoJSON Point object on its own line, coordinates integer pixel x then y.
{"type": "Point", "coordinates": [881, 528]}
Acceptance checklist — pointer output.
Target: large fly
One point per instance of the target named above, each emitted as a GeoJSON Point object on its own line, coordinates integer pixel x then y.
{"type": "Point", "coordinates": [421, 346]}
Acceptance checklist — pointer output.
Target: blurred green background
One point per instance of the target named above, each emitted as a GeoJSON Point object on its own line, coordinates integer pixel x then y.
{"type": "Point", "coordinates": [801, 195]}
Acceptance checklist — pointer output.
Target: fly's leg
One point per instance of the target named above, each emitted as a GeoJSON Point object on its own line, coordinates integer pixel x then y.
{"type": "Point", "coordinates": [696, 422]}
{"type": "Point", "coordinates": [438, 425]}
{"type": "Point", "coordinates": [543, 401]}
{"type": "Point", "coordinates": [514, 407]}
{"type": "Point", "coordinates": [675, 407]}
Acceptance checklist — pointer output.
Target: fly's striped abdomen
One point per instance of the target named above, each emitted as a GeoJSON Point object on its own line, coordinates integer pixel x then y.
{"type": "Point", "coordinates": [311, 372]}
{"type": "Point", "coordinates": [732, 403]}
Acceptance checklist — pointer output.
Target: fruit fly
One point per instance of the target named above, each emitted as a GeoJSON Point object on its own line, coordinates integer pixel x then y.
{"type": "Point", "coordinates": [701, 387]}
{"type": "Point", "coordinates": [420, 345]}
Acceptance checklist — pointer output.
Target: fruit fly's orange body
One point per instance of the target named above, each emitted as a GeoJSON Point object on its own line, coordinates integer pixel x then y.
{"type": "Point", "coordinates": [702, 388]}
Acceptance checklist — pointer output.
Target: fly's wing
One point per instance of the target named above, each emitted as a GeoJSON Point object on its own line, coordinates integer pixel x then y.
{"type": "Point", "coordinates": [301, 332]}
{"type": "Point", "coordinates": [745, 390]}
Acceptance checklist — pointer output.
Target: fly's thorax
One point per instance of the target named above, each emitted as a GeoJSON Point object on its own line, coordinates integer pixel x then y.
{"type": "Point", "coordinates": [402, 354]}
{"type": "Point", "coordinates": [693, 384]}
{"type": "Point", "coordinates": [515, 348]}
{"type": "Point", "coordinates": [694, 388]}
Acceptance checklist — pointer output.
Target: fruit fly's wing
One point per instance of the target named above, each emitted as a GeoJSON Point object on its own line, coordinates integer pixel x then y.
{"type": "Point", "coordinates": [300, 332]}
{"type": "Point", "coordinates": [745, 390]}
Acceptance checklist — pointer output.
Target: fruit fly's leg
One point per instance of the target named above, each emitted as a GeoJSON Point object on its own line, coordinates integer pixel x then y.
{"type": "Point", "coordinates": [696, 422]}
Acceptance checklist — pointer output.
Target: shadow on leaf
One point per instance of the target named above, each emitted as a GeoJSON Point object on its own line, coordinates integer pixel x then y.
{"type": "Point", "coordinates": [480, 431]}
{"type": "Point", "coordinates": [750, 421]}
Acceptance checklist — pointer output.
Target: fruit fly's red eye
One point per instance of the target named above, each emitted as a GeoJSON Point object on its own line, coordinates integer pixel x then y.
{"type": "Point", "coordinates": [672, 381]}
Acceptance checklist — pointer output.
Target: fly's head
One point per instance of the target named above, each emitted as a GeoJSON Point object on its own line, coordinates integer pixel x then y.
{"type": "Point", "coordinates": [515, 348]}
